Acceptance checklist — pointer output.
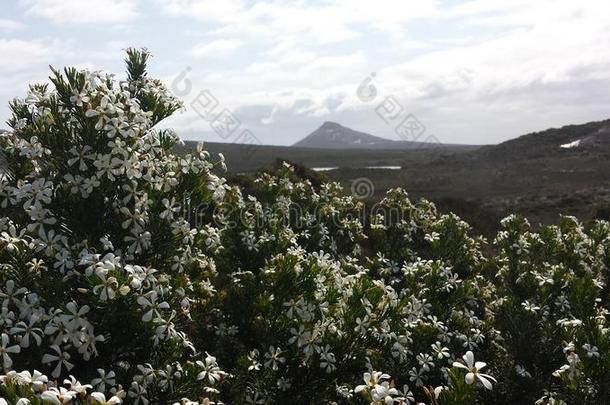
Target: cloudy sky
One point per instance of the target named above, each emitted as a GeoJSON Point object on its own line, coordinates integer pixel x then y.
{"type": "Point", "coordinates": [473, 71]}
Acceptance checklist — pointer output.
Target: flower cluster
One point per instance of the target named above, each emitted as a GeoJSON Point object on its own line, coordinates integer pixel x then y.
{"type": "Point", "coordinates": [108, 279]}
{"type": "Point", "coordinates": [96, 254]}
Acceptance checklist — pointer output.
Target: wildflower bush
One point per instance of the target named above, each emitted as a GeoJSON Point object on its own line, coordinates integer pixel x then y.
{"type": "Point", "coordinates": [129, 274]}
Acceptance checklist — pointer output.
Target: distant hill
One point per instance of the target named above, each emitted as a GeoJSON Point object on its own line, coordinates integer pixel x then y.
{"type": "Point", "coordinates": [563, 148]}
{"type": "Point", "coordinates": [540, 175]}
{"type": "Point", "coordinates": [592, 138]}
{"type": "Point", "coordinates": [335, 136]}
{"type": "Point", "coordinates": [242, 158]}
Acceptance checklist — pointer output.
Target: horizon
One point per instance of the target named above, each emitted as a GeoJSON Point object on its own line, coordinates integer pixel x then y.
{"type": "Point", "coordinates": [471, 72]}
{"type": "Point", "coordinates": [395, 139]}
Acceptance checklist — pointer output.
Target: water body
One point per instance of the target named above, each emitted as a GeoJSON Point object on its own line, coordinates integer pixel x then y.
{"type": "Point", "coordinates": [327, 169]}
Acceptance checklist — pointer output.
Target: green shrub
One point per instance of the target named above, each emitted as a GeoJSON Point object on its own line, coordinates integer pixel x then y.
{"type": "Point", "coordinates": [147, 278]}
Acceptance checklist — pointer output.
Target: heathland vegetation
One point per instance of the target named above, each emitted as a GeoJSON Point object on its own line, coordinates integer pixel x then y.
{"type": "Point", "coordinates": [131, 274]}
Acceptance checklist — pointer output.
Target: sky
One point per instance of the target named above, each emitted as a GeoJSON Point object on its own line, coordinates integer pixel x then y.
{"type": "Point", "coordinates": [472, 71]}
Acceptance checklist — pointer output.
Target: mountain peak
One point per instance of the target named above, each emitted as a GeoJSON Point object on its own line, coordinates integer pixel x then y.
{"type": "Point", "coordinates": [331, 125]}
{"type": "Point", "coordinates": [332, 135]}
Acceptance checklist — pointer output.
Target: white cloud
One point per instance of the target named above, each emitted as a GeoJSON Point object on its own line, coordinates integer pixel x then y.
{"type": "Point", "coordinates": [24, 62]}
{"type": "Point", "coordinates": [462, 67]}
{"type": "Point", "coordinates": [546, 50]}
{"type": "Point", "coordinates": [524, 57]}
{"type": "Point", "coordinates": [83, 12]}
{"type": "Point", "coordinates": [323, 22]}
{"type": "Point", "coordinates": [220, 47]}
{"type": "Point", "coordinates": [10, 25]}
{"type": "Point", "coordinates": [20, 55]}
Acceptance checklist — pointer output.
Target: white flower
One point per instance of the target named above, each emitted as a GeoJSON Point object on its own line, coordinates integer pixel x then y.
{"type": "Point", "coordinates": [138, 393]}
{"type": "Point", "coordinates": [101, 399]}
{"type": "Point", "coordinates": [211, 371]}
{"type": "Point", "coordinates": [79, 97]}
{"type": "Point", "coordinates": [407, 396]}
{"type": "Point", "coordinates": [108, 286]}
{"type": "Point", "coordinates": [274, 357]}
{"type": "Point", "coordinates": [327, 360]}
{"type": "Point", "coordinates": [522, 372]}
{"type": "Point", "coordinates": [80, 156]}
{"type": "Point", "coordinates": [592, 351]}
{"type": "Point", "coordinates": [370, 380]}
{"type": "Point", "coordinates": [440, 351]}
{"type": "Point", "coordinates": [9, 294]}
{"type": "Point", "coordinates": [425, 360]}
{"type": "Point", "coordinates": [253, 359]}
{"type": "Point", "coordinates": [377, 388]}
{"type": "Point", "coordinates": [149, 301]}
{"type": "Point", "coordinates": [62, 359]}
{"type": "Point", "coordinates": [75, 318]}
{"type": "Point", "coordinates": [301, 336]}
{"type": "Point", "coordinates": [103, 380]}
{"type": "Point", "coordinates": [530, 307]}
{"type": "Point", "coordinates": [76, 386]}
{"type": "Point", "coordinates": [383, 392]}
{"type": "Point", "coordinates": [37, 379]}
{"type": "Point", "coordinates": [417, 376]}
{"type": "Point", "coordinates": [473, 370]}
{"type": "Point", "coordinates": [283, 383]}
{"type": "Point", "coordinates": [58, 396]}
{"type": "Point", "coordinates": [5, 349]}
{"type": "Point", "coordinates": [27, 331]}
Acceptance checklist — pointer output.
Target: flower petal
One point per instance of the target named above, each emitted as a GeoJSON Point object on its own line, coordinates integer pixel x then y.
{"type": "Point", "coordinates": [469, 378]}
